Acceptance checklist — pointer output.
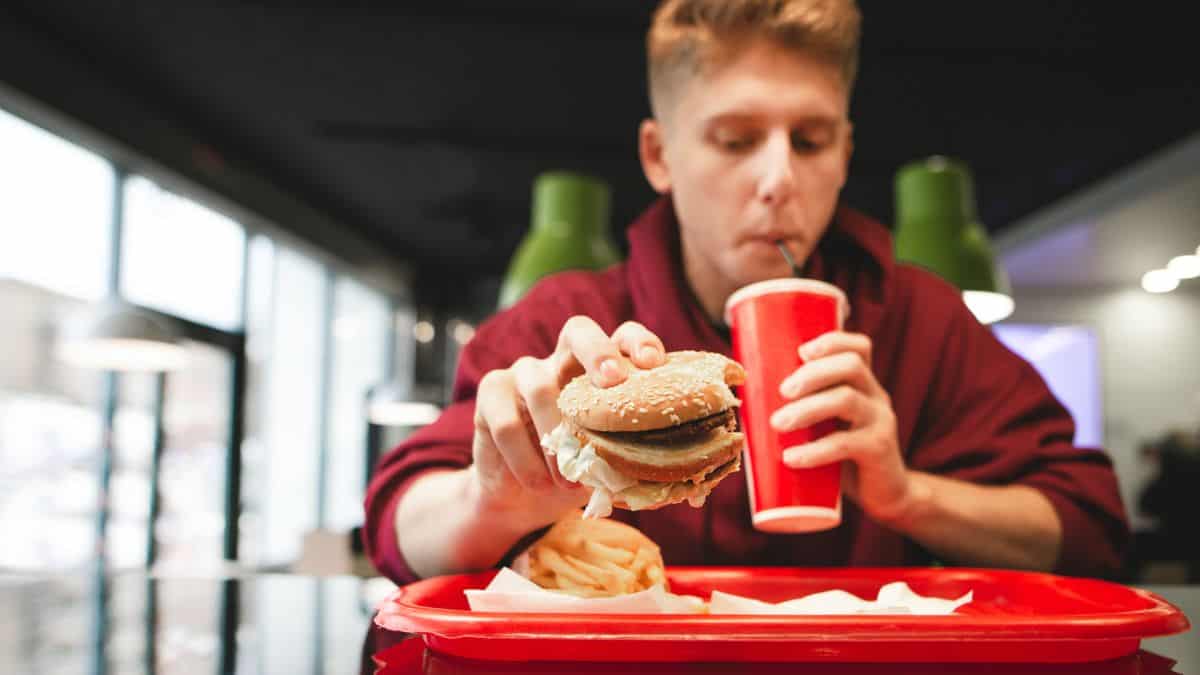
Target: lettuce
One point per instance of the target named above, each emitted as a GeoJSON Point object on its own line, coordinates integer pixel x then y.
{"type": "Point", "coordinates": [582, 465]}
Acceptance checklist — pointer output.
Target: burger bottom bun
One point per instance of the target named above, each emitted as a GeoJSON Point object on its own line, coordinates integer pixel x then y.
{"type": "Point", "coordinates": [688, 491]}
{"type": "Point", "coordinates": [666, 464]}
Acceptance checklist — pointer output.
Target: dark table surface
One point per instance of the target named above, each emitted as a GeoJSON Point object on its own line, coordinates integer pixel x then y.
{"type": "Point", "coordinates": [267, 624]}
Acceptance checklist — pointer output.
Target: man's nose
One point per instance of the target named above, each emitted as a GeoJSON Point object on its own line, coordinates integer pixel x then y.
{"type": "Point", "coordinates": [777, 178]}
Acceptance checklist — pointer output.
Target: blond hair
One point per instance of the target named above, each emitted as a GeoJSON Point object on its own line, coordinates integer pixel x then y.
{"type": "Point", "coordinates": [686, 37]}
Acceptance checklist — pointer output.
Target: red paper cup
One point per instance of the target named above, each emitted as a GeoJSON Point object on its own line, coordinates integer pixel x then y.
{"type": "Point", "coordinates": [769, 320]}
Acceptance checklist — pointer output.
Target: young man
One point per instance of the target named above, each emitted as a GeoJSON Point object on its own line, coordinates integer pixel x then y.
{"type": "Point", "coordinates": [955, 448]}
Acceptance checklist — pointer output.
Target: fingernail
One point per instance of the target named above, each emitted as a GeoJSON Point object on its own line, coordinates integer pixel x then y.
{"type": "Point", "coordinates": [809, 351]}
{"type": "Point", "coordinates": [648, 354]}
{"type": "Point", "coordinates": [779, 420]}
{"type": "Point", "coordinates": [610, 370]}
{"type": "Point", "coordinates": [789, 388]}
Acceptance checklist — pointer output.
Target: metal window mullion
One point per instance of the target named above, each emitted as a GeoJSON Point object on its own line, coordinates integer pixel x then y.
{"type": "Point", "coordinates": [117, 231]}
{"type": "Point", "coordinates": [160, 383]}
{"type": "Point", "coordinates": [108, 404]}
{"type": "Point", "coordinates": [151, 610]}
{"type": "Point", "coordinates": [326, 379]}
{"type": "Point", "coordinates": [237, 418]}
{"type": "Point", "coordinates": [230, 605]}
{"type": "Point", "coordinates": [233, 455]}
{"type": "Point", "coordinates": [100, 623]}
{"type": "Point", "coordinates": [390, 338]}
{"type": "Point", "coordinates": [374, 432]}
{"type": "Point", "coordinates": [325, 396]}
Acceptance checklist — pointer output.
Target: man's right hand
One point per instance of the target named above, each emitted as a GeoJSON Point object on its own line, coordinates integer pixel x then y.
{"type": "Point", "coordinates": [515, 407]}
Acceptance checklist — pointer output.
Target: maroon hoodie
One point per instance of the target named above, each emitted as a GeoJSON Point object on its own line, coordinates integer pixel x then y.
{"type": "Point", "coordinates": [966, 407]}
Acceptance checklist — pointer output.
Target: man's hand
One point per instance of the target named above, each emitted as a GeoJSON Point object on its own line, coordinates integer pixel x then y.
{"type": "Point", "coordinates": [516, 406]}
{"type": "Point", "coordinates": [836, 382]}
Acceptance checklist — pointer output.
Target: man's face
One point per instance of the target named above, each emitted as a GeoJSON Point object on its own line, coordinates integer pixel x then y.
{"type": "Point", "coordinates": [753, 153]}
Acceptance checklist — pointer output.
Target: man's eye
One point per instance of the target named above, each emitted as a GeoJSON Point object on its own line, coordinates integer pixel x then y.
{"type": "Point", "coordinates": [735, 143]}
{"type": "Point", "coordinates": [801, 143]}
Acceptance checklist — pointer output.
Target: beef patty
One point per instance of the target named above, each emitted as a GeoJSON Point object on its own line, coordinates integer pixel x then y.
{"type": "Point", "coordinates": [681, 433]}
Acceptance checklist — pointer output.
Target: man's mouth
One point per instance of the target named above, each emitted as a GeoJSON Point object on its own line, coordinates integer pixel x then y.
{"type": "Point", "coordinates": [771, 239]}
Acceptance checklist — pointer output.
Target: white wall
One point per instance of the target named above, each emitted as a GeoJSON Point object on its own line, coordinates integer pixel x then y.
{"type": "Point", "coordinates": [1149, 361]}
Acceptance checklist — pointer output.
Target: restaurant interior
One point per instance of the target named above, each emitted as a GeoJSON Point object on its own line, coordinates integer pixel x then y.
{"type": "Point", "coordinates": [244, 245]}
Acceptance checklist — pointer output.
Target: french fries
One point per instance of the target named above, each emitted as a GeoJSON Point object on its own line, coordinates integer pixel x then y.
{"type": "Point", "coordinates": [594, 558]}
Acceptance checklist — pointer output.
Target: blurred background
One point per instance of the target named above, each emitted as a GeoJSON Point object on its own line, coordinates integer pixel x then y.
{"type": "Point", "coordinates": [317, 204]}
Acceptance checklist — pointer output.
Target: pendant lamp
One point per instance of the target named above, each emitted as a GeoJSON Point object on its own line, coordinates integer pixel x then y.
{"type": "Point", "coordinates": [937, 227]}
{"type": "Point", "coordinates": [569, 229]}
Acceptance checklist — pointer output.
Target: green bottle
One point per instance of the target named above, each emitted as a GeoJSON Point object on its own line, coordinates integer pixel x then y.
{"type": "Point", "coordinates": [569, 229]}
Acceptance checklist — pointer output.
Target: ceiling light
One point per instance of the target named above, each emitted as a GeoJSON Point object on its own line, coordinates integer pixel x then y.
{"type": "Point", "coordinates": [424, 331]}
{"type": "Point", "coordinates": [988, 306]}
{"type": "Point", "coordinates": [403, 413]}
{"type": "Point", "coordinates": [463, 332]}
{"type": "Point", "coordinates": [1159, 281]}
{"type": "Point", "coordinates": [1185, 266]}
{"type": "Point", "coordinates": [390, 405]}
{"type": "Point", "coordinates": [120, 337]}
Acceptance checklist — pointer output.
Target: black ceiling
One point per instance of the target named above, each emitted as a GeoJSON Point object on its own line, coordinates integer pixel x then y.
{"type": "Point", "coordinates": [422, 125]}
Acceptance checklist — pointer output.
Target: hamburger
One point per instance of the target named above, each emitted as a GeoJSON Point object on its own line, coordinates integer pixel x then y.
{"type": "Point", "coordinates": [665, 435]}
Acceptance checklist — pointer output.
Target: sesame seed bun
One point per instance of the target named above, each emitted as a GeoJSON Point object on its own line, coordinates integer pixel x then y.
{"type": "Point", "coordinates": [689, 386]}
{"type": "Point", "coordinates": [671, 429]}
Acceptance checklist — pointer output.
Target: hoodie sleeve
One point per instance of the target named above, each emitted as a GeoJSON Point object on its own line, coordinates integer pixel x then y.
{"type": "Point", "coordinates": [990, 418]}
{"type": "Point", "coordinates": [531, 328]}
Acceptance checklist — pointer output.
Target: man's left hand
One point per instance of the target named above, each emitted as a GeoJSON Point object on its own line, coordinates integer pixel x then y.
{"type": "Point", "coordinates": [836, 382]}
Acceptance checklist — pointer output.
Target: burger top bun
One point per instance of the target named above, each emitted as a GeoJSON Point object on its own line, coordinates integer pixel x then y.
{"type": "Point", "coordinates": [689, 386]}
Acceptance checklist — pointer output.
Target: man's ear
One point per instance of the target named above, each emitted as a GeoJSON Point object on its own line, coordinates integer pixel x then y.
{"type": "Point", "coordinates": [652, 152]}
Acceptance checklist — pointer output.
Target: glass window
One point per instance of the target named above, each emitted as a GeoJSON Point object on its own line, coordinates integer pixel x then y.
{"type": "Point", "coordinates": [180, 257]}
{"type": "Point", "coordinates": [50, 435]}
{"type": "Point", "coordinates": [360, 361]}
{"type": "Point", "coordinates": [129, 487]}
{"type": "Point", "coordinates": [283, 427]}
{"type": "Point", "coordinates": [196, 405]}
{"type": "Point", "coordinates": [56, 211]}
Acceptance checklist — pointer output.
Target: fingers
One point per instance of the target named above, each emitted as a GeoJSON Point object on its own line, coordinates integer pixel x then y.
{"type": "Point", "coordinates": [830, 371]}
{"type": "Point", "coordinates": [537, 386]}
{"type": "Point", "coordinates": [832, 448]}
{"type": "Point", "coordinates": [500, 413]}
{"type": "Point", "coordinates": [842, 402]}
{"type": "Point", "coordinates": [583, 345]}
{"type": "Point", "coordinates": [834, 342]}
{"type": "Point", "coordinates": [873, 446]}
{"type": "Point", "coordinates": [516, 407]}
{"type": "Point", "coordinates": [642, 346]}
{"type": "Point", "coordinates": [489, 464]}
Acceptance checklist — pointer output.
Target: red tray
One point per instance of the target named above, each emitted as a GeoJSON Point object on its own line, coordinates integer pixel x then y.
{"type": "Point", "coordinates": [1015, 617]}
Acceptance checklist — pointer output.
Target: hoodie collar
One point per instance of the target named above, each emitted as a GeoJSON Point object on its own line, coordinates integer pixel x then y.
{"type": "Point", "coordinates": [855, 254]}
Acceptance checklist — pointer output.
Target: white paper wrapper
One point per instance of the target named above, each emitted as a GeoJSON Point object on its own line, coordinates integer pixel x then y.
{"type": "Point", "coordinates": [511, 592]}
{"type": "Point", "coordinates": [893, 598]}
{"type": "Point", "coordinates": [581, 464]}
